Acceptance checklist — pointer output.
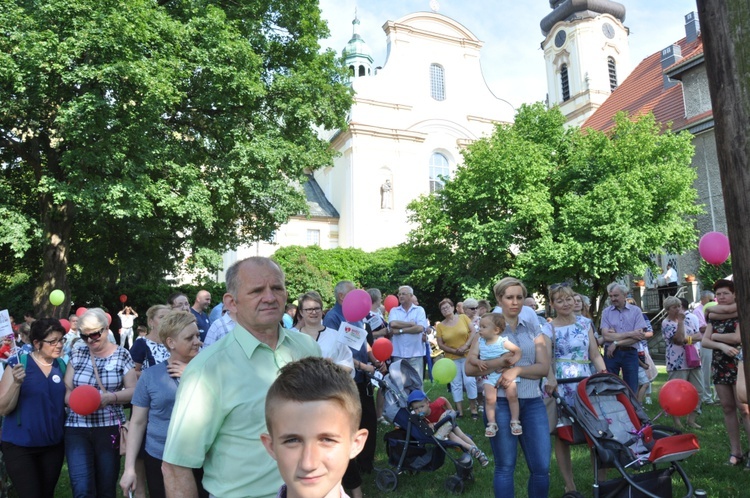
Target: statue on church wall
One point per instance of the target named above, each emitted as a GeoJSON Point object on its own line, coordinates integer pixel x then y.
{"type": "Point", "coordinates": [385, 195]}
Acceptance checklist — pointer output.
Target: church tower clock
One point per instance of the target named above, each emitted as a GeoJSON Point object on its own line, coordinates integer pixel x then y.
{"type": "Point", "coordinates": [586, 53]}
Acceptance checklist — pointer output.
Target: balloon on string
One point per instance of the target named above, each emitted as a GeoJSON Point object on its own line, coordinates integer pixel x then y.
{"type": "Point", "coordinates": [444, 370]}
{"type": "Point", "coordinates": [678, 397]}
{"type": "Point", "coordinates": [382, 349]}
{"type": "Point", "coordinates": [85, 400]}
{"type": "Point", "coordinates": [109, 319]}
{"type": "Point", "coordinates": [714, 248]}
{"type": "Point", "coordinates": [56, 297]}
{"type": "Point", "coordinates": [65, 323]}
{"type": "Point", "coordinates": [390, 302]}
{"type": "Point", "coordinates": [356, 305]}
{"type": "Point", "coordinates": [80, 311]}
{"type": "Point", "coordinates": [123, 298]}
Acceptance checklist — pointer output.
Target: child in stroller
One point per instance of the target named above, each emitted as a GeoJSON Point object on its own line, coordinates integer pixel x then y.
{"type": "Point", "coordinates": [441, 417]}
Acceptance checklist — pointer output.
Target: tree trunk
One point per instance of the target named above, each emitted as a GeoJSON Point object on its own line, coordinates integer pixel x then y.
{"type": "Point", "coordinates": [725, 27]}
{"type": "Point", "coordinates": [57, 220]}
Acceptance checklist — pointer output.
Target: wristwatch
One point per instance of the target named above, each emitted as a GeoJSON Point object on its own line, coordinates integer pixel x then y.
{"type": "Point", "coordinates": [615, 343]}
{"type": "Point", "coordinates": [400, 331]}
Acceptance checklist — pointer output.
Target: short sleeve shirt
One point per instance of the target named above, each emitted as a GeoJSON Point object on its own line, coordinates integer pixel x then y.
{"type": "Point", "coordinates": [219, 412]}
{"type": "Point", "coordinates": [156, 390]}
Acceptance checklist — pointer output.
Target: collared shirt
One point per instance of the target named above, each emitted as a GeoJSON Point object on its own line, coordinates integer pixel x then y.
{"type": "Point", "coordinates": [408, 345]}
{"type": "Point", "coordinates": [201, 319]}
{"type": "Point", "coordinates": [219, 329]}
{"type": "Point", "coordinates": [671, 276]}
{"type": "Point", "coordinates": [698, 313]}
{"type": "Point", "coordinates": [623, 320]}
{"type": "Point", "coordinates": [526, 331]}
{"type": "Point", "coordinates": [219, 413]}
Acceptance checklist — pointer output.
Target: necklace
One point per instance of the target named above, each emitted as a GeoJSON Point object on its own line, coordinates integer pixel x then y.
{"type": "Point", "coordinates": [40, 361]}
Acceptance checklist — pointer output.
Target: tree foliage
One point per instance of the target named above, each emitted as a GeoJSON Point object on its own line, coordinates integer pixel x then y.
{"type": "Point", "coordinates": [135, 132]}
{"type": "Point", "coordinates": [549, 204]}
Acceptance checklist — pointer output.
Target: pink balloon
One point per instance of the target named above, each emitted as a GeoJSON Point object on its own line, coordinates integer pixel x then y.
{"type": "Point", "coordinates": [714, 247]}
{"type": "Point", "coordinates": [81, 311]}
{"type": "Point", "coordinates": [65, 324]}
{"type": "Point", "coordinates": [356, 305]}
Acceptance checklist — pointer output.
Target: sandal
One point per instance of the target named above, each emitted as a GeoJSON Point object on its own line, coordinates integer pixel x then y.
{"type": "Point", "coordinates": [491, 430]}
{"type": "Point", "coordinates": [480, 456]}
{"type": "Point", "coordinates": [515, 427]}
{"type": "Point", "coordinates": [474, 416]}
{"type": "Point", "coordinates": [734, 460]}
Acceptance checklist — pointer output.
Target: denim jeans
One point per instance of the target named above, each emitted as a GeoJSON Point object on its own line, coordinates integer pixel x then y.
{"type": "Point", "coordinates": [627, 360]}
{"type": "Point", "coordinates": [93, 460]}
{"type": "Point", "coordinates": [535, 443]}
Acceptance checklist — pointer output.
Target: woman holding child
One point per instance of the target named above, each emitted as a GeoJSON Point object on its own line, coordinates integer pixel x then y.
{"type": "Point", "coordinates": [522, 329]}
{"type": "Point", "coordinates": [573, 349]}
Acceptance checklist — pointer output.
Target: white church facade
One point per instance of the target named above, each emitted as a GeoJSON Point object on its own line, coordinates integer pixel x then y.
{"type": "Point", "coordinates": [407, 126]}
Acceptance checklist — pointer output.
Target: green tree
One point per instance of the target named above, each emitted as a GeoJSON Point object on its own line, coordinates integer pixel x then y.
{"type": "Point", "coordinates": [549, 204]}
{"type": "Point", "coordinates": [135, 132]}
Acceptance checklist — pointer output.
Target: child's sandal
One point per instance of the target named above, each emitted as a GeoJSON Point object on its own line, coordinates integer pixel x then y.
{"type": "Point", "coordinates": [491, 430]}
{"type": "Point", "coordinates": [515, 427]}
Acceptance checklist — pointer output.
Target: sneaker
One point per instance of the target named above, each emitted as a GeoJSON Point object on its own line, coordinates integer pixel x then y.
{"type": "Point", "coordinates": [383, 421]}
{"type": "Point", "coordinates": [480, 456]}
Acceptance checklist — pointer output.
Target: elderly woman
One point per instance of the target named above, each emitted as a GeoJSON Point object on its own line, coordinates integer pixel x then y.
{"type": "Point", "coordinates": [522, 329]}
{"type": "Point", "coordinates": [179, 301]}
{"type": "Point", "coordinates": [573, 351]}
{"type": "Point", "coordinates": [679, 330]}
{"type": "Point", "coordinates": [311, 305]}
{"type": "Point", "coordinates": [454, 336]}
{"type": "Point", "coordinates": [723, 336]}
{"type": "Point", "coordinates": [32, 401]}
{"type": "Point", "coordinates": [154, 399]}
{"type": "Point", "coordinates": [92, 441]}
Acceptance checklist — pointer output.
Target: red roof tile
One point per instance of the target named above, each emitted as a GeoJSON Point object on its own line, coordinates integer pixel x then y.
{"type": "Point", "coordinates": [644, 91]}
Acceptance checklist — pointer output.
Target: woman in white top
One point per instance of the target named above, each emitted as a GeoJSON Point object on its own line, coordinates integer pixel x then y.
{"type": "Point", "coordinates": [311, 305]}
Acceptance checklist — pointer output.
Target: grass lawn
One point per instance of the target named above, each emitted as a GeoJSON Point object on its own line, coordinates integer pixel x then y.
{"type": "Point", "coordinates": [706, 469]}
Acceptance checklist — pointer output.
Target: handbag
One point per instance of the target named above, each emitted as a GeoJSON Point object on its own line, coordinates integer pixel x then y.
{"type": "Point", "coordinates": [692, 358]}
{"type": "Point", "coordinates": [123, 428]}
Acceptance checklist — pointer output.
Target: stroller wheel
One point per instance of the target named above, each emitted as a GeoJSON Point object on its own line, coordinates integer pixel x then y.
{"type": "Point", "coordinates": [573, 494]}
{"type": "Point", "coordinates": [386, 480]}
{"type": "Point", "coordinates": [454, 485]}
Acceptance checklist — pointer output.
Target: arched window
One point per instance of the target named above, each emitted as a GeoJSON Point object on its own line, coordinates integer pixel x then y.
{"type": "Point", "coordinates": [361, 70]}
{"type": "Point", "coordinates": [564, 82]}
{"type": "Point", "coordinates": [351, 70]}
{"type": "Point", "coordinates": [438, 171]}
{"type": "Point", "coordinates": [437, 82]}
{"type": "Point", "coordinates": [612, 66]}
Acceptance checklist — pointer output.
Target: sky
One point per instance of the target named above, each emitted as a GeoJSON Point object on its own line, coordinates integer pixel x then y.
{"type": "Point", "coordinates": [512, 60]}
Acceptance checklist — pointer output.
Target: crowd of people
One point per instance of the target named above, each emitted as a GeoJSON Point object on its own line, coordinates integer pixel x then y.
{"type": "Point", "coordinates": [201, 423]}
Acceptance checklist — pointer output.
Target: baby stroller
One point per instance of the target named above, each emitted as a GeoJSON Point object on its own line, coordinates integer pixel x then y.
{"type": "Point", "coordinates": [608, 417]}
{"type": "Point", "coordinates": [412, 446]}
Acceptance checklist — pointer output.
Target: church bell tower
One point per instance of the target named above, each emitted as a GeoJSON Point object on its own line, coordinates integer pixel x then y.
{"type": "Point", "coordinates": [586, 53]}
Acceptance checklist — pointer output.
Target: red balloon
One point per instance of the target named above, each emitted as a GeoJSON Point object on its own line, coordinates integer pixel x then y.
{"type": "Point", "coordinates": [80, 311]}
{"type": "Point", "coordinates": [123, 298]}
{"type": "Point", "coordinates": [390, 302]}
{"type": "Point", "coordinates": [382, 349]}
{"type": "Point", "coordinates": [85, 400]}
{"type": "Point", "coordinates": [714, 247]}
{"type": "Point", "coordinates": [65, 324]}
{"type": "Point", "coordinates": [356, 305]}
{"type": "Point", "coordinates": [678, 397]}
{"type": "Point", "coordinates": [109, 319]}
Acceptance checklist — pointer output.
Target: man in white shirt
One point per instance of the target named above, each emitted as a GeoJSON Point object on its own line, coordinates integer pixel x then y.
{"type": "Point", "coordinates": [408, 323]}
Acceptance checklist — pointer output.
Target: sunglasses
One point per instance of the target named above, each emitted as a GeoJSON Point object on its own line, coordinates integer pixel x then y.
{"type": "Point", "coordinates": [554, 287]}
{"type": "Point", "coordinates": [92, 336]}
{"type": "Point", "coordinates": [472, 308]}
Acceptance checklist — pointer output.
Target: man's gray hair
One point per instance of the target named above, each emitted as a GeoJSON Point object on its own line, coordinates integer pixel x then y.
{"type": "Point", "coordinates": [341, 288]}
{"type": "Point", "coordinates": [232, 275]}
{"type": "Point", "coordinates": [411, 291]}
{"type": "Point", "coordinates": [619, 286]}
{"type": "Point", "coordinates": [707, 293]}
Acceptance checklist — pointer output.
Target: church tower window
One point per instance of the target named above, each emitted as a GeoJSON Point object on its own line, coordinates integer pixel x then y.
{"type": "Point", "coordinates": [564, 82]}
{"type": "Point", "coordinates": [438, 171]}
{"type": "Point", "coordinates": [612, 67]}
{"type": "Point", "coordinates": [437, 82]}
{"type": "Point", "coordinates": [361, 70]}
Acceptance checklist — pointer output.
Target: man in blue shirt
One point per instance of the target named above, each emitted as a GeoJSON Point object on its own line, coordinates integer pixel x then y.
{"type": "Point", "coordinates": [201, 304]}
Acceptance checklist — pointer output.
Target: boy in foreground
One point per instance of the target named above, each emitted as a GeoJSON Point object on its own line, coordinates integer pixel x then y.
{"type": "Point", "coordinates": [312, 416]}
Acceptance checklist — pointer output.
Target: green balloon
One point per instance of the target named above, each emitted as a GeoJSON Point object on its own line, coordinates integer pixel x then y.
{"type": "Point", "coordinates": [56, 297]}
{"type": "Point", "coordinates": [444, 370]}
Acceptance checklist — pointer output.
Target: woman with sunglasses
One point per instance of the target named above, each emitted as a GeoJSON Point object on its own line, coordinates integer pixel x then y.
{"type": "Point", "coordinates": [153, 402]}
{"type": "Point", "coordinates": [32, 400]}
{"type": "Point", "coordinates": [92, 442]}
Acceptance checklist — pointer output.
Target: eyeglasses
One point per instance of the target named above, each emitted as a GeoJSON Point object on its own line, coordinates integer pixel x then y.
{"type": "Point", "coordinates": [312, 310]}
{"type": "Point", "coordinates": [92, 336]}
{"type": "Point", "coordinates": [472, 308]}
{"type": "Point", "coordinates": [554, 287]}
{"type": "Point", "coordinates": [55, 342]}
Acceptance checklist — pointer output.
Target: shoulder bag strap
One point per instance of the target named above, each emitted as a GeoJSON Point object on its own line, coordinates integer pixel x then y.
{"type": "Point", "coordinates": [96, 372]}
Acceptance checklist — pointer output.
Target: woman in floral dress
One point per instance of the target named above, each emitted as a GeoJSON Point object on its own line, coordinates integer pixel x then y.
{"type": "Point", "coordinates": [573, 349]}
